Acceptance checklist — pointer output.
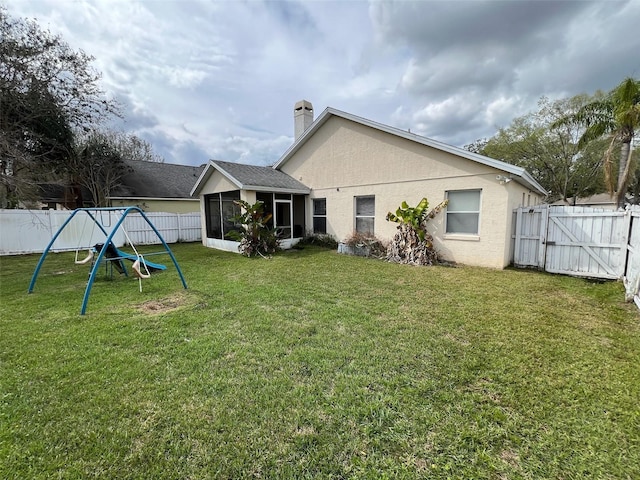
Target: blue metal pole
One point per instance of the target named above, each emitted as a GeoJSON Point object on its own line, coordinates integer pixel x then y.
{"type": "Point", "coordinates": [166, 247]}
{"type": "Point", "coordinates": [94, 270]}
{"type": "Point", "coordinates": [46, 250]}
{"type": "Point", "coordinates": [102, 252]}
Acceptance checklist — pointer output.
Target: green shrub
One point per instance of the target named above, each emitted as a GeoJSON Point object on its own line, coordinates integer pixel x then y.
{"type": "Point", "coordinates": [323, 240]}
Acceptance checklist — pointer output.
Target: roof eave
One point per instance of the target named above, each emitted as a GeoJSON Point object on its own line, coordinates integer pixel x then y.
{"type": "Point", "coordinates": [266, 188]}
{"type": "Point", "coordinates": [190, 199]}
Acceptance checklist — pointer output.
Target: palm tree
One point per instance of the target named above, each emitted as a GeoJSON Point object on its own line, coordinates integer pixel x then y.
{"type": "Point", "coordinates": [618, 116]}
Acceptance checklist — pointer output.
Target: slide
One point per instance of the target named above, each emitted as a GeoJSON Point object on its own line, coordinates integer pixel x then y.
{"type": "Point", "coordinates": [133, 258]}
{"type": "Point", "coordinates": [113, 252]}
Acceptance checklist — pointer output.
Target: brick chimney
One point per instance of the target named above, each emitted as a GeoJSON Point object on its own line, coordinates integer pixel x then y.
{"type": "Point", "coordinates": [302, 117]}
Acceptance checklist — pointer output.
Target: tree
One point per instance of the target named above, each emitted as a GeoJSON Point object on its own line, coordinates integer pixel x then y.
{"type": "Point", "coordinates": [254, 236]}
{"type": "Point", "coordinates": [97, 165]}
{"type": "Point", "coordinates": [30, 139]}
{"type": "Point", "coordinates": [617, 117]}
{"type": "Point", "coordinates": [132, 147]}
{"type": "Point", "coordinates": [98, 161]}
{"type": "Point", "coordinates": [550, 151]}
{"type": "Point", "coordinates": [48, 92]}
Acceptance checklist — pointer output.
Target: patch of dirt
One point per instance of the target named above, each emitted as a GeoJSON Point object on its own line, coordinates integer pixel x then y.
{"type": "Point", "coordinates": [510, 457]}
{"type": "Point", "coordinates": [163, 305]}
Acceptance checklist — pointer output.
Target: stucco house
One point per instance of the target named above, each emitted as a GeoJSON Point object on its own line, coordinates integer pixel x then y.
{"type": "Point", "coordinates": [343, 173]}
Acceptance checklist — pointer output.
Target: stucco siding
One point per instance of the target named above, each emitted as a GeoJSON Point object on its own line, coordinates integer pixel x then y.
{"type": "Point", "coordinates": [217, 183]}
{"type": "Point", "coordinates": [344, 153]}
{"type": "Point", "coordinates": [344, 160]}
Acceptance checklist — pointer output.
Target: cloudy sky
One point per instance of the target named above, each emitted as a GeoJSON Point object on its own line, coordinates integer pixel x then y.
{"type": "Point", "coordinates": [204, 79]}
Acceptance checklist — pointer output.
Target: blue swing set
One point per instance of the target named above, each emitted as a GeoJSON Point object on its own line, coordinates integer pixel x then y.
{"type": "Point", "coordinates": [108, 251]}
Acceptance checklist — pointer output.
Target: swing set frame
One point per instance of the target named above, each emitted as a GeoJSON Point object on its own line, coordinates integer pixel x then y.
{"type": "Point", "coordinates": [92, 213]}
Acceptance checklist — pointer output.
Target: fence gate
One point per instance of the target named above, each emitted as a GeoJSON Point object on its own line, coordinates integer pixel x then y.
{"type": "Point", "coordinates": [530, 231]}
{"type": "Point", "coordinates": [586, 242]}
{"type": "Point", "coordinates": [579, 241]}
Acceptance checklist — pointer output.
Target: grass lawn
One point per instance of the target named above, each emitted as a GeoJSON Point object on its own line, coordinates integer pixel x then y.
{"type": "Point", "coordinates": [315, 365]}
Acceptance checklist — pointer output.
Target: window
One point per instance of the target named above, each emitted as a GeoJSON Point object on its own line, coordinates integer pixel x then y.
{"type": "Point", "coordinates": [463, 212]}
{"type": "Point", "coordinates": [319, 215]}
{"type": "Point", "coordinates": [219, 211]}
{"type": "Point", "coordinates": [365, 214]}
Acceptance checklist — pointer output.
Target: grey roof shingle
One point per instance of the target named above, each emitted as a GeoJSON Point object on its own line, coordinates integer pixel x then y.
{"type": "Point", "coordinates": [157, 180]}
{"type": "Point", "coordinates": [254, 177]}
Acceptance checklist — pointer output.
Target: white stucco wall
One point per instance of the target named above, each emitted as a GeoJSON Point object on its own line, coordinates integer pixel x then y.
{"type": "Point", "coordinates": [345, 159]}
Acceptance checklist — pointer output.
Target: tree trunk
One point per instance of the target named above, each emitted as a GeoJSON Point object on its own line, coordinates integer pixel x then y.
{"type": "Point", "coordinates": [406, 247]}
{"type": "Point", "coordinates": [623, 173]}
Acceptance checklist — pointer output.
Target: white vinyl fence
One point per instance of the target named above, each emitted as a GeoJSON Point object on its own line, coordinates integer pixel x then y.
{"type": "Point", "coordinates": [30, 231]}
{"type": "Point", "coordinates": [580, 241]}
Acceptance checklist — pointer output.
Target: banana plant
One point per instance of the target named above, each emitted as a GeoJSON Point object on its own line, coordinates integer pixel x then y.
{"type": "Point", "coordinates": [412, 243]}
{"type": "Point", "coordinates": [416, 217]}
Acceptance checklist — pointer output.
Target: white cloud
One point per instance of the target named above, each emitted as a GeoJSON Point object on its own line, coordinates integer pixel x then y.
{"type": "Point", "coordinates": [205, 79]}
{"type": "Point", "coordinates": [183, 77]}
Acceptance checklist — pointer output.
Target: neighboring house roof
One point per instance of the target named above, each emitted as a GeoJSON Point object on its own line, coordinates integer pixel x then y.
{"type": "Point", "coordinates": [598, 200]}
{"type": "Point", "coordinates": [518, 174]}
{"type": "Point", "coordinates": [156, 180]}
{"type": "Point", "coordinates": [251, 177]}
{"type": "Point", "coordinates": [57, 193]}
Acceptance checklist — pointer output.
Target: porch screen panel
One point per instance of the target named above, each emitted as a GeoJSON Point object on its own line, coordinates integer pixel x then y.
{"type": "Point", "coordinates": [230, 210]}
{"type": "Point", "coordinates": [214, 220]}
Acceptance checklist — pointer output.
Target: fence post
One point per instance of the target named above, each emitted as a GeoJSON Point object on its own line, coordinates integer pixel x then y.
{"type": "Point", "coordinates": [626, 236]}
{"type": "Point", "coordinates": [518, 243]}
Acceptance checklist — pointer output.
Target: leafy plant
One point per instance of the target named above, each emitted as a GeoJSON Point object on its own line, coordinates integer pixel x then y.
{"type": "Point", "coordinates": [412, 216]}
{"type": "Point", "coordinates": [255, 237]}
{"type": "Point", "coordinates": [324, 240]}
{"type": "Point", "coordinates": [412, 243]}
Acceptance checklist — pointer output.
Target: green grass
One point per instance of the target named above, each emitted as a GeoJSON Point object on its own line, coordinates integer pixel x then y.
{"type": "Point", "coordinates": [315, 365]}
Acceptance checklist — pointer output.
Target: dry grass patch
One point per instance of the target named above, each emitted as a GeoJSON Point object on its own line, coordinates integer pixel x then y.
{"type": "Point", "coordinates": [164, 305]}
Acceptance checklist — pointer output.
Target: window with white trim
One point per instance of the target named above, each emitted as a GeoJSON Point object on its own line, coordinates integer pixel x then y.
{"type": "Point", "coordinates": [320, 215]}
{"type": "Point", "coordinates": [365, 214]}
{"type": "Point", "coordinates": [463, 212]}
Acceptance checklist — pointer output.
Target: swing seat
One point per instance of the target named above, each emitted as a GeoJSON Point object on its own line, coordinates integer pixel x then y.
{"type": "Point", "coordinates": [137, 270]}
{"type": "Point", "coordinates": [85, 260]}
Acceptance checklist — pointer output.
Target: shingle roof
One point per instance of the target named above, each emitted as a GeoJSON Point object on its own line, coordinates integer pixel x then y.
{"type": "Point", "coordinates": [252, 177]}
{"type": "Point", "coordinates": [157, 180]}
